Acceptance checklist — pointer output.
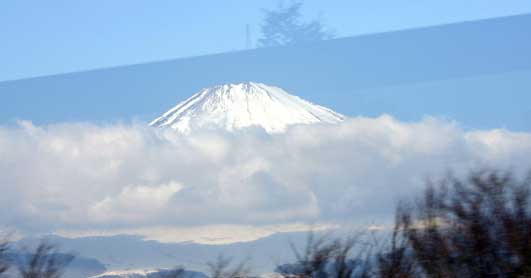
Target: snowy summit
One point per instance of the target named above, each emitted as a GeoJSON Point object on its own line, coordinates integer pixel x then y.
{"type": "Point", "coordinates": [236, 106]}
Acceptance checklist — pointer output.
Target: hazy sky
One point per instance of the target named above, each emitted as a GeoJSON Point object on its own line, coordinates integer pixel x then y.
{"type": "Point", "coordinates": [56, 36]}
{"type": "Point", "coordinates": [72, 174]}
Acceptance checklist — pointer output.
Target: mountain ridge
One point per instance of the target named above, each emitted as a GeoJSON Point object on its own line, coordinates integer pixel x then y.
{"type": "Point", "coordinates": [236, 106]}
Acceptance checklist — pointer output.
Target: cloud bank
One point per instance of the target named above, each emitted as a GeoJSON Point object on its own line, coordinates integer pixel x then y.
{"type": "Point", "coordinates": [121, 177]}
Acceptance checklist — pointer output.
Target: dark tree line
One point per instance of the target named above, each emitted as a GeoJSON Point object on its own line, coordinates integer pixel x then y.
{"type": "Point", "coordinates": [477, 227]}
{"type": "Point", "coordinates": [480, 227]}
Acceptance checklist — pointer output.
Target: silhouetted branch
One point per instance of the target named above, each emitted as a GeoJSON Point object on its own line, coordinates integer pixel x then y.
{"type": "Point", "coordinates": [222, 268]}
{"type": "Point", "coordinates": [480, 227]}
{"type": "Point", "coordinates": [44, 262]}
{"type": "Point", "coordinates": [324, 257]}
{"type": "Point", "coordinates": [4, 260]}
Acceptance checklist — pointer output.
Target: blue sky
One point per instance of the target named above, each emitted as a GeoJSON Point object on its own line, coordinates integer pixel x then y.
{"type": "Point", "coordinates": [58, 36]}
{"type": "Point", "coordinates": [437, 71]}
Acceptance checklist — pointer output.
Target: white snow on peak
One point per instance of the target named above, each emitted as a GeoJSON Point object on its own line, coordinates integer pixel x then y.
{"type": "Point", "coordinates": [130, 273]}
{"type": "Point", "coordinates": [236, 106]}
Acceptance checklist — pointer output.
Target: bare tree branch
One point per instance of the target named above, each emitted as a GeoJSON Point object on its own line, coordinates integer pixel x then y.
{"type": "Point", "coordinates": [44, 262]}
{"type": "Point", "coordinates": [222, 268]}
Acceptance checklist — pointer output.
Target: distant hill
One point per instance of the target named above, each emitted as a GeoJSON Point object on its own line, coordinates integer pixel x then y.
{"type": "Point", "coordinates": [151, 274]}
{"type": "Point", "coordinates": [122, 253]}
{"type": "Point", "coordinates": [79, 267]}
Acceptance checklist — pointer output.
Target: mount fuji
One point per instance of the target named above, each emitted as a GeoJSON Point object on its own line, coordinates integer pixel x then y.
{"type": "Point", "coordinates": [233, 107]}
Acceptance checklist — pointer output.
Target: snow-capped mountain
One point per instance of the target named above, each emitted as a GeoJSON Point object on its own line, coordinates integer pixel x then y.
{"type": "Point", "coordinates": [155, 273]}
{"type": "Point", "coordinates": [236, 106]}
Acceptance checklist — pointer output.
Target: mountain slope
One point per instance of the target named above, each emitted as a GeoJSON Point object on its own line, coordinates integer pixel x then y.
{"type": "Point", "coordinates": [122, 252]}
{"type": "Point", "coordinates": [156, 273]}
{"type": "Point", "coordinates": [235, 106]}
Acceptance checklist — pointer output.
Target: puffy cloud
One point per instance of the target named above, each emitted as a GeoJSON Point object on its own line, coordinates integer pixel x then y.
{"type": "Point", "coordinates": [134, 203]}
{"type": "Point", "coordinates": [120, 177]}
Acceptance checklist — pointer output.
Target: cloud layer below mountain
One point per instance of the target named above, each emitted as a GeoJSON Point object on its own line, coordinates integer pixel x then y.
{"type": "Point", "coordinates": [129, 177]}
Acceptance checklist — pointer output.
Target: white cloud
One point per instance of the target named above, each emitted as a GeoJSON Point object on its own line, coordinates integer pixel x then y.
{"type": "Point", "coordinates": [134, 203]}
{"type": "Point", "coordinates": [86, 177]}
